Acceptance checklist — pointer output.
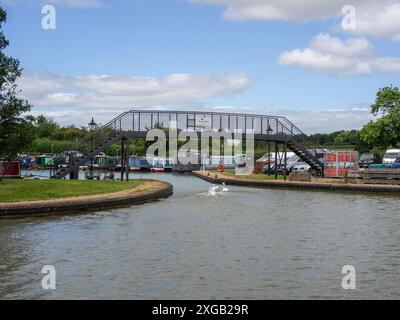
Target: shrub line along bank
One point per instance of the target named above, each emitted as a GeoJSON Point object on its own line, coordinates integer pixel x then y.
{"type": "Point", "coordinates": [157, 190]}
{"type": "Point", "coordinates": [280, 184]}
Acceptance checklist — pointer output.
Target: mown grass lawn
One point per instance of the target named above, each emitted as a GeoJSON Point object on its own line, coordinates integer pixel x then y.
{"type": "Point", "coordinates": [24, 190]}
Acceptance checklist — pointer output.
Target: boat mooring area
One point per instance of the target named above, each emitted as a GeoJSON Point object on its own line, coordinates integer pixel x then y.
{"type": "Point", "coordinates": [315, 184]}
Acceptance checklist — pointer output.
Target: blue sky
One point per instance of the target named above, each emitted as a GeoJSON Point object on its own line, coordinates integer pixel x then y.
{"type": "Point", "coordinates": [182, 55]}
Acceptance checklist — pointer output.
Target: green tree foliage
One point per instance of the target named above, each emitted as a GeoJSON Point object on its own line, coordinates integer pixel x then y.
{"type": "Point", "coordinates": [48, 128]}
{"type": "Point", "coordinates": [385, 131]}
{"type": "Point", "coordinates": [137, 147]}
{"type": "Point", "coordinates": [15, 127]}
{"type": "Point", "coordinates": [337, 138]}
{"type": "Point", "coordinates": [387, 101]}
{"type": "Point", "coordinates": [352, 138]}
{"type": "Point", "coordinates": [45, 127]}
{"type": "Point", "coordinates": [49, 137]}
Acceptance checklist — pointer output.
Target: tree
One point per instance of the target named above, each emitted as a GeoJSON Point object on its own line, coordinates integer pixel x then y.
{"type": "Point", "coordinates": [14, 126]}
{"type": "Point", "coordinates": [385, 131]}
{"type": "Point", "coordinates": [352, 138]}
{"type": "Point", "coordinates": [45, 127]}
{"type": "Point", "coordinates": [387, 101]}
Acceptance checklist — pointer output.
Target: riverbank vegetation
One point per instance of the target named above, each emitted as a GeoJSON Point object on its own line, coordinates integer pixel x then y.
{"type": "Point", "coordinates": [15, 125]}
{"type": "Point", "coordinates": [25, 190]}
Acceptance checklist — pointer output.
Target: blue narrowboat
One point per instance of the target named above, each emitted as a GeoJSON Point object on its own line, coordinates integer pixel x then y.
{"type": "Point", "coordinates": [139, 163]}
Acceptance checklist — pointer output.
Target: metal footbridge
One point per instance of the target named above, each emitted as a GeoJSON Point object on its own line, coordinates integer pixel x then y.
{"type": "Point", "coordinates": [136, 124]}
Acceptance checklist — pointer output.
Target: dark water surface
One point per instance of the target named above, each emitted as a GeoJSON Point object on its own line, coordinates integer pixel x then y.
{"type": "Point", "coordinates": [244, 244]}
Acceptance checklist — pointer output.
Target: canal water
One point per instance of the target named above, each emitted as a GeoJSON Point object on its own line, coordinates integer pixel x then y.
{"type": "Point", "coordinates": [243, 244]}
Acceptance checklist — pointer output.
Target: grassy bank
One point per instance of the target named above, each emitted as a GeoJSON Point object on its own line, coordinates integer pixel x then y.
{"type": "Point", "coordinates": [259, 177]}
{"type": "Point", "coordinates": [25, 190]}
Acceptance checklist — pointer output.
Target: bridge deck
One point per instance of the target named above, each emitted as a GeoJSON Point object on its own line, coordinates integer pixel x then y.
{"type": "Point", "coordinates": [197, 121]}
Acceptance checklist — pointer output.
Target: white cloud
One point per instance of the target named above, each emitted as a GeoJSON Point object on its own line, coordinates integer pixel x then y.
{"type": "Point", "coordinates": [309, 121]}
{"type": "Point", "coordinates": [323, 120]}
{"type": "Point", "coordinates": [378, 18]}
{"type": "Point", "coordinates": [334, 56]}
{"type": "Point", "coordinates": [329, 120]}
{"type": "Point", "coordinates": [116, 92]}
{"type": "Point", "coordinates": [379, 21]}
{"type": "Point", "coordinates": [387, 64]}
{"type": "Point", "coordinates": [282, 10]}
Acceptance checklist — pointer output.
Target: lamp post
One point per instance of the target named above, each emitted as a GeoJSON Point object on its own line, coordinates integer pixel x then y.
{"type": "Point", "coordinates": [92, 126]}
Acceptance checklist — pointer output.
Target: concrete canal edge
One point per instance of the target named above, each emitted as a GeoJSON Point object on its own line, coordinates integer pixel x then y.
{"type": "Point", "coordinates": [312, 186]}
{"type": "Point", "coordinates": [151, 190]}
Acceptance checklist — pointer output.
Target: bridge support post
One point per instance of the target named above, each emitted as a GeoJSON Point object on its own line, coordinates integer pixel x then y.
{"type": "Point", "coordinates": [74, 175]}
{"type": "Point", "coordinates": [276, 161]}
{"type": "Point", "coordinates": [269, 158]}
{"type": "Point", "coordinates": [127, 161]}
{"type": "Point", "coordinates": [285, 162]}
{"type": "Point", "coordinates": [122, 158]}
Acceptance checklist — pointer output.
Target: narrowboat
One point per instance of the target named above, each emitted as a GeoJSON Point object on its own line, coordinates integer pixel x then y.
{"type": "Point", "coordinates": [139, 164]}
{"type": "Point", "coordinates": [43, 161]}
{"type": "Point", "coordinates": [26, 161]}
{"type": "Point", "coordinates": [12, 169]}
{"type": "Point", "coordinates": [162, 164]}
{"type": "Point", "coordinates": [103, 161]}
{"type": "Point", "coordinates": [168, 164]}
{"type": "Point", "coordinates": [157, 166]}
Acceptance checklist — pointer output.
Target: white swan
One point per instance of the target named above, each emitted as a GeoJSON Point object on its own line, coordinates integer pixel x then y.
{"type": "Point", "coordinates": [215, 190]}
{"type": "Point", "coordinates": [212, 191]}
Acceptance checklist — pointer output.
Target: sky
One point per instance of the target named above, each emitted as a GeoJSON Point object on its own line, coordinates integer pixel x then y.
{"type": "Point", "coordinates": [317, 62]}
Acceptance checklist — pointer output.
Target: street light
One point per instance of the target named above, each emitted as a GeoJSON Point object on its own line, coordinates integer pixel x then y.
{"type": "Point", "coordinates": [92, 125]}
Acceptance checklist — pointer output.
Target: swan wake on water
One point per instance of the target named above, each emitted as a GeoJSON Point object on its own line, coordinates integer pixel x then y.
{"type": "Point", "coordinates": [216, 190]}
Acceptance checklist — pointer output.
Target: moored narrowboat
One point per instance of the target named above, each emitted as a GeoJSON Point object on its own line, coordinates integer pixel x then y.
{"type": "Point", "coordinates": [139, 164]}
{"type": "Point", "coordinates": [10, 170]}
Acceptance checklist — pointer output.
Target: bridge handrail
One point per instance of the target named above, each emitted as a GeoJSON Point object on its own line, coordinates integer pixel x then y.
{"type": "Point", "coordinates": [87, 138]}
{"type": "Point", "coordinates": [206, 112]}
{"type": "Point", "coordinates": [307, 144]}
